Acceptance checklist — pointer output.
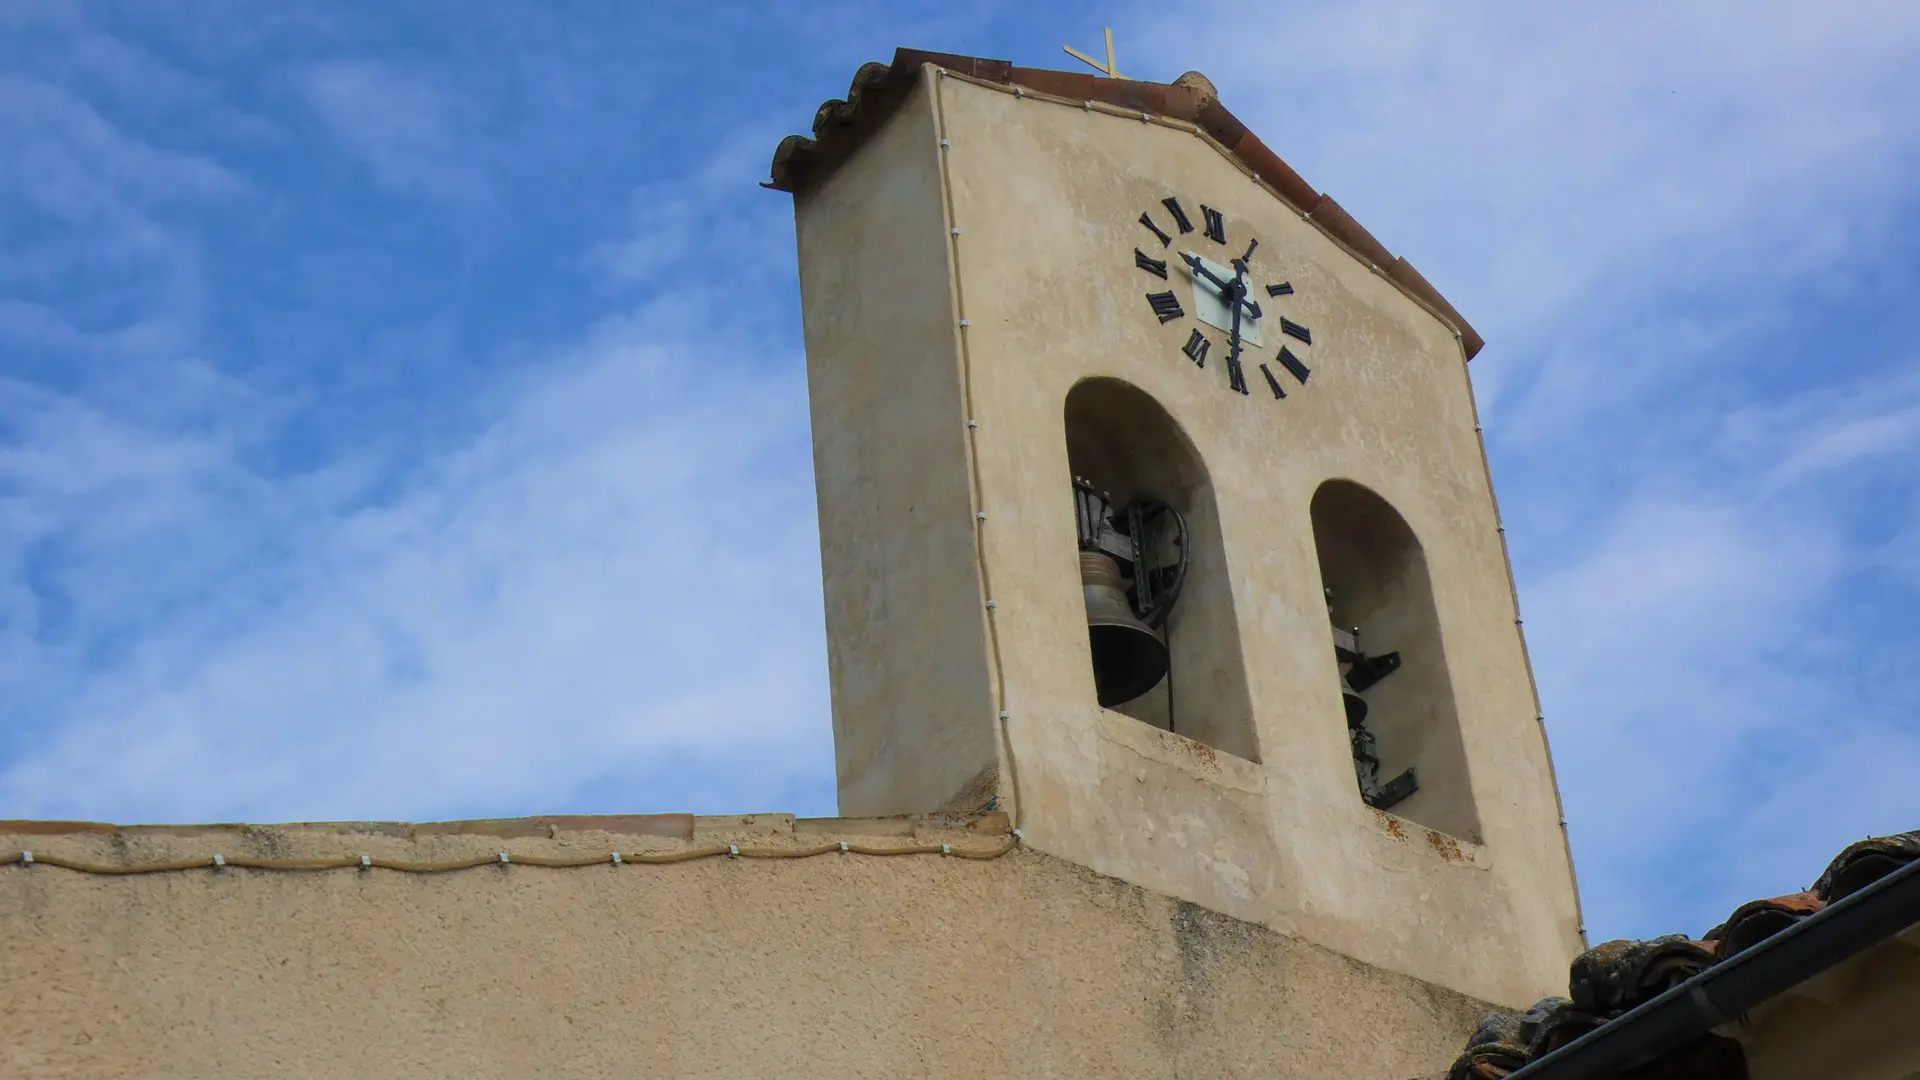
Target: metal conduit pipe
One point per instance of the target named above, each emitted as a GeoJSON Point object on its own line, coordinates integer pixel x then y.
{"type": "Point", "coordinates": [1732, 987]}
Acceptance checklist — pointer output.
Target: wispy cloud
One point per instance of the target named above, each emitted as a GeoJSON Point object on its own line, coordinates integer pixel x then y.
{"type": "Point", "coordinates": [400, 124]}
{"type": "Point", "coordinates": [618, 567]}
{"type": "Point", "coordinates": [598, 580]}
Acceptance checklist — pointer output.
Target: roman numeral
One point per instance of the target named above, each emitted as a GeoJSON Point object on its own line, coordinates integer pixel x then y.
{"type": "Point", "coordinates": [1148, 222]}
{"type": "Point", "coordinates": [1216, 225]}
{"type": "Point", "coordinates": [1179, 216]}
{"type": "Point", "coordinates": [1156, 267]}
{"type": "Point", "coordinates": [1296, 331]}
{"type": "Point", "coordinates": [1283, 289]}
{"type": "Point", "coordinates": [1272, 382]}
{"type": "Point", "coordinates": [1236, 378]}
{"type": "Point", "coordinates": [1166, 305]}
{"type": "Point", "coordinates": [1251, 244]}
{"type": "Point", "coordinates": [1196, 348]}
{"type": "Point", "coordinates": [1292, 363]}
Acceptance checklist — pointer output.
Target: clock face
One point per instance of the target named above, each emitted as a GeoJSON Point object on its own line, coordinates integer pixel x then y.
{"type": "Point", "coordinates": [1222, 295]}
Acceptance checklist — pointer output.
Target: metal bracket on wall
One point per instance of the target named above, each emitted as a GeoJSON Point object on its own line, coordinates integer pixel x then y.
{"type": "Point", "coordinates": [1368, 670]}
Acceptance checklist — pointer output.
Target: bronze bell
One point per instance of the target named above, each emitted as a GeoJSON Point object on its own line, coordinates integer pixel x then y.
{"type": "Point", "coordinates": [1129, 657]}
{"type": "Point", "coordinates": [1356, 705]}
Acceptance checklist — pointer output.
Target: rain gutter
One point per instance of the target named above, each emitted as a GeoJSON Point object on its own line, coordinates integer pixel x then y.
{"type": "Point", "coordinates": [1728, 989]}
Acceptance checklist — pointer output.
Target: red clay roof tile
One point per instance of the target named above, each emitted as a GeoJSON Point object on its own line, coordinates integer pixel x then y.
{"type": "Point", "coordinates": [1613, 977]}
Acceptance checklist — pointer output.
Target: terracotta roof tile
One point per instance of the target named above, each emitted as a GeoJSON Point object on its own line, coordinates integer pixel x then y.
{"type": "Point", "coordinates": [1757, 920]}
{"type": "Point", "coordinates": [1563, 1023]}
{"type": "Point", "coordinates": [840, 125]}
{"type": "Point", "coordinates": [1613, 977]}
{"type": "Point", "coordinates": [1866, 862]}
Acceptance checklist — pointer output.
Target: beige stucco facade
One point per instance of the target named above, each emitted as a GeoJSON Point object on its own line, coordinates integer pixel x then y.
{"type": "Point", "coordinates": [1024, 227]}
{"type": "Point", "coordinates": [835, 966]}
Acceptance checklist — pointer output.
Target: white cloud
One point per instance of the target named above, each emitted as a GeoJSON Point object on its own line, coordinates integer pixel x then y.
{"type": "Point", "coordinates": [620, 568]}
{"type": "Point", "coordinates": [400, 124]}
{"type": "Point", "coordinates": [680, 235]}
{"type": "Point", "coordinates": [612, 579]}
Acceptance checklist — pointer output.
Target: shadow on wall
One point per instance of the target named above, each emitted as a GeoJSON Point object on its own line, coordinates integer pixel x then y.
{"type": "Point", "coordinates": [1124, 444]}
{"type": "Point", "coordinates": [1375, 574]}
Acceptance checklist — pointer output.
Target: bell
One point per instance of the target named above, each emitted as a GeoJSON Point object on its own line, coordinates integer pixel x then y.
{"type": "Point", "coordinates": [1356, 705]}
{"type": "Point", "coordinates": [1129, 657]}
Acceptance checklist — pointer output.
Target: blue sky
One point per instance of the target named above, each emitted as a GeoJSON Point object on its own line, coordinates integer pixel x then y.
{"type": "Point", "coordinates": [371, 445]}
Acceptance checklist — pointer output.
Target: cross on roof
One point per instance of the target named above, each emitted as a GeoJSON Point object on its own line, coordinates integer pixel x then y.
{"type": "Point", "coordinates": [1108, 69]}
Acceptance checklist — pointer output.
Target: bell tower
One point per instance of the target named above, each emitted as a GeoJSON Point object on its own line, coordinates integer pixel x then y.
{"type": "Point", "coordinates": [1153, 511]}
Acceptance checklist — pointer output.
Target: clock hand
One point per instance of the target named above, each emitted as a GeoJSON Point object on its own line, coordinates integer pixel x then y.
{"type": "Point", "coordinates": [1234, 292]}
{"type": "Point", "coordinates": [1240, 286]}
{"type": "Point", "coordinates": [1201, 268]}
{"type": "Point", "coordinates": [1236, 379]}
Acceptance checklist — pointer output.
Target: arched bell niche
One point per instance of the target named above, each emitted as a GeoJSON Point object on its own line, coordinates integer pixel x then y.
{"type": "Point", "coordinates": [1375, 578]}
{"type": "Point", "coordinates": [1123, 445]}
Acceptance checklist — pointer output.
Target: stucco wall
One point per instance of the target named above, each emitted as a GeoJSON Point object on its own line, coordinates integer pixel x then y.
{"type": "Point", "coordinates": [832, 966]}
{"type": "Point", "coordinates": [1044, 198]}
{"type": "Point", "coordinates": [1852, 1022]}
{"type": "Point", "coordinates": [912, 705]}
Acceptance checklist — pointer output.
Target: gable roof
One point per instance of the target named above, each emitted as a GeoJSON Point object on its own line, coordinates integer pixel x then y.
{"type": "Point", "coordinates": [841, 125]}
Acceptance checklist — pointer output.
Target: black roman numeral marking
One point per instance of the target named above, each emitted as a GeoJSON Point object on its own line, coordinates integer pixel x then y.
{"type": "Point", "coordinates": [1148, 222]}
{"type": "Point", "coordinates": [1196, 348]}
{"type": "Point", "coordinates": [1216, 225]}
{"type": "Point", "coordinates": [1236, 377]}
{"type": "Point", "coordinates": [1179, 216]}
{"type": "Point", "coordinates": [1251, 244]}
{"type": "Point", "coordinates": [1166, 305]}
{"type": "Point", "coordinates": [1156, 267]}
{"type": "Point", "coordinates": [1292, 363]}
{"type": "Point", "coordinates": [1285, 288]}
{"type": "Point", "coordinates": [1272, 382]}
{"type": "Point", "coordinates": [1296, 331]}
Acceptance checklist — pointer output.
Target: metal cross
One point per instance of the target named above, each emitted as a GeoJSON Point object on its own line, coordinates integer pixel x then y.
{"type": "Point", "coordinates": [1108, 69]}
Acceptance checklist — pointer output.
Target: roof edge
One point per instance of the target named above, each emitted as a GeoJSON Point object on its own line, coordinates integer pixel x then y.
{"type": "Point", "coordinates": [669, 826]}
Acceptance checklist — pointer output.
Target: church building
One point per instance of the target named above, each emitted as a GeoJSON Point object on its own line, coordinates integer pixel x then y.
{"type": "Point", "coordinates": [1183, 720]}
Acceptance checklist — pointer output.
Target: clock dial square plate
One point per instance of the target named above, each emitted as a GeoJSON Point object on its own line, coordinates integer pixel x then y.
{"type": "Point", "coordinates": [1209, 306]}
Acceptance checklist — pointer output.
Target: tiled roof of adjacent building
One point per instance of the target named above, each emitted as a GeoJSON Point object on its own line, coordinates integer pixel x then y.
{"type": "Point", "coordinates": [841, 125]}
{"type": "Point", "coordinates": [1608, 981]}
